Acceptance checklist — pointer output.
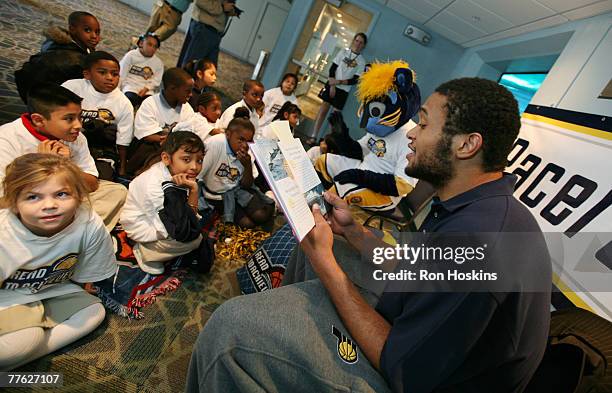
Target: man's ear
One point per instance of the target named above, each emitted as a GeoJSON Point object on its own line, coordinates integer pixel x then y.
{"type": "Point", "coordinates": [38, 120]}
{"type": "Point", "coordinates": [470, 145]}
{"type": "Point", "coordinates": [87, 74]}
{"type": "Point", "coordinates": [166, 159]}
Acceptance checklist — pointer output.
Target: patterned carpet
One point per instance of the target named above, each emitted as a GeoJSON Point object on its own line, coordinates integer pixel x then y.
{"type": "Point", "coordinates": [22, 22]}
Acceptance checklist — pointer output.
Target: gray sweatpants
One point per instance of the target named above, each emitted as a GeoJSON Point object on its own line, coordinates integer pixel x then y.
{"type": "Point", "coordinates": [289, 339]}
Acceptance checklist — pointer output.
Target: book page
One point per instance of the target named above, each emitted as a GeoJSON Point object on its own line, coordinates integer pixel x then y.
{"type": "Point", "coordinates": [282, 130]}
{"type": "Point", "coordinates": [300, 165]}
{"type": "Point", "coordinates": [296, 209]}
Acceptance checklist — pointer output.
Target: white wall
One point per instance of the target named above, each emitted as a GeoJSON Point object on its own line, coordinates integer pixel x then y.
{"type": "Point", "coordinates": [581, 72]}
{"type": "Point", "coordinates": [577, 76]}
{"type": "Point", "coordinates": [242, 32]}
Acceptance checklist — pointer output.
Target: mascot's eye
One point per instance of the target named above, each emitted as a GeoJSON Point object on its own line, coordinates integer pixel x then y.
{"type": "Point", "coordinates": [376, 109]}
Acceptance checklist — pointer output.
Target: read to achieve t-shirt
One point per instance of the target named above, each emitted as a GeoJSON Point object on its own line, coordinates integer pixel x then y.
{"type": "Point", "coordinates": [111, 108]}
{"type": "Point", "coordinates": [273, 100]}
{"type": "Point", "coordinates": [36, 267]}
{"type": "Point", "coordinates": [138, 71]}
{"type": "Point", "coordinates": [349, 64]}
{"type": "Point", "coordinates": [155, 114]}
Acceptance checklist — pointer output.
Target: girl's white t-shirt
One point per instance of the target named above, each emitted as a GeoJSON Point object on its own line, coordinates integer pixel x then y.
{"type": "Point", "coordinates": [35, 267]}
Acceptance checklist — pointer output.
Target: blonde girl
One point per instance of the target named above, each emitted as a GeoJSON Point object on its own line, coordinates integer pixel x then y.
{"type": "Point", "coordinates": [52, 246]}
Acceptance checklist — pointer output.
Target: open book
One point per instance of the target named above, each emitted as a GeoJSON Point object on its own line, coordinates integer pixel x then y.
{"type": "Point", "coordinates": [291, 176]}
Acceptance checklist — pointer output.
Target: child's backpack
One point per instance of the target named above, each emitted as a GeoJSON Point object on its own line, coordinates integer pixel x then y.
{"type": "Point", "coordinates": [578, 356]}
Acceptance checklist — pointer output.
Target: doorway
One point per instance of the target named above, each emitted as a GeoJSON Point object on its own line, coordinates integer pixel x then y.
{"type": "Point", "coordinates": [328, 30]}
{"type": "Point", "coordinates": [268, 31]}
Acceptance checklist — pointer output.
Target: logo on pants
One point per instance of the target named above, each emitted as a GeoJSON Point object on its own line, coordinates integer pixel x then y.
{"type": "Point", "coordinates": [346, 348]}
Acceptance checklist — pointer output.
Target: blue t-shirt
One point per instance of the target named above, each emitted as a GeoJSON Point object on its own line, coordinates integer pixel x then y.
{"type": "Point", "coordinates": [474, 341]}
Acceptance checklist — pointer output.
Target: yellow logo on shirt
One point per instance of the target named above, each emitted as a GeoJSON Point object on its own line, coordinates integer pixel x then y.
{"type": "Point", "coordinates": [146, 72]}
{"type": "Point", "coordinates": [58, 271]}
{"type": "Point", "coordinates": [227, 171]}
{"type": "Point", "coordinates": [377, 146]}
{"type": "Point", "coordinates": [102, 114]}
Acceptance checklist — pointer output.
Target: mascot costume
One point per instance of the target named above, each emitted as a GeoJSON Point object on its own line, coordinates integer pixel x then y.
{"type": "Point", "coordinates": [389, 98]}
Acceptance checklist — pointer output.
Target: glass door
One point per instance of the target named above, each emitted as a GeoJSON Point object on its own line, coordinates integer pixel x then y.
{"type": "Point", "coordinates": [328, 30]}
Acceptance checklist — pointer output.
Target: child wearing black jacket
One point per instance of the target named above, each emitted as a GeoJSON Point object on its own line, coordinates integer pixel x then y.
{"type": "Point", "coordinates": [61, 54]}
{"type": "Point", "coordinates": [161, 210]}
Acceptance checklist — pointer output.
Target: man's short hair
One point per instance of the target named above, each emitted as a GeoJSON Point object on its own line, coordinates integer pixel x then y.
{"type": "Point", "coordinates": [248, 85]}
{"type": "Point", "coordinates": [175, 77]}
{"type": "Point", "coordinates": [75, 17]}
{"type": "Point", "coordinates": [189, 141]}
{"type": "Point", "coordinates": [95, 57]}
{"type": "Point", "coordinates": [46, 97]}
{"type": "Point", "coordinates": [483, 106]}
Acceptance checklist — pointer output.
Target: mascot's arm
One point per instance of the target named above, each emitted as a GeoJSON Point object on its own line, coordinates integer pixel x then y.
{"type": "Point", "coordinates": [382, 183]}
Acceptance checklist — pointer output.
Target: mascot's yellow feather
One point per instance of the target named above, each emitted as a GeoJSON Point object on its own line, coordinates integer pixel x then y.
{"type": "Point", "coordinates": [378, 80]}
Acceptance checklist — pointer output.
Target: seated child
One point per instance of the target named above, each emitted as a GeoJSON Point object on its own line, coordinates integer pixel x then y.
{"type": "Point", "coordinates": [274, 98]}
{"type": "Point", "coordinates": [61, 54]}
{"type": "Point", "coordinates": [141, 70]}
{"type": "Point", "coordinates": [227, 174]}
{"type": "Point", "coordinates": [252, 93]}
{"type": "Point", "coordinates": [289, 112]}
{"type": "Point", "coordinates": [204, 73]}
{"type": "Point", "coordinates": [106, 114]}
{"type": "Point", "coordinates": [204, 121]}
{"type": "Point", "coordinates": [160, 213]}
{"type": "Point", "coordinates": [158, 115]}
{"type": "Point", "coordinates": [51, 246]}
{"type": "Point", "coordinates": [53, 126]}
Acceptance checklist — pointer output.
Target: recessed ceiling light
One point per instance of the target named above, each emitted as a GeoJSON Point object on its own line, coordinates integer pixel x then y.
{"type": "Point", "coordinates": [339, 21]}
{"type": "Point", "coordinates": [339, 15]}
{"type": "Point", "coordinates": [342, 27]}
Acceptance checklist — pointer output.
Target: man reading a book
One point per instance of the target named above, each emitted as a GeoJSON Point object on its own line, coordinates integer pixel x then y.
{"type": "Point", "coordinates": [330, 329]}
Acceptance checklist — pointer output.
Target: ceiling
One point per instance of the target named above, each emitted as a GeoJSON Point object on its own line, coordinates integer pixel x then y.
{"type": "Point", "coordinates": [475, 22]}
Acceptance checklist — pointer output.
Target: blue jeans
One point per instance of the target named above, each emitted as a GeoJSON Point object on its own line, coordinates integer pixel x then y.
{"type": "Point", "coordinates": [201, 42]}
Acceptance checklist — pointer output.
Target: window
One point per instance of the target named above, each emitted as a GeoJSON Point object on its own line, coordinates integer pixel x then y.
{"type": "Point", "coordinates": [522, 85]}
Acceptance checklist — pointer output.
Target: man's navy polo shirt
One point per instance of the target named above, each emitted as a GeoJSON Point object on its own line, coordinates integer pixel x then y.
{"type": "Point", "coordinates": [475, 341]}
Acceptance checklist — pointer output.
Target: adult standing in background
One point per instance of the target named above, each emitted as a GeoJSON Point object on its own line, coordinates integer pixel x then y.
{"type": "Point", "coordinates": [344, 72]}
{"type": "Point", "coordinates": [206, 29]}
{"type": "Point", "coordinates": [166, 16]}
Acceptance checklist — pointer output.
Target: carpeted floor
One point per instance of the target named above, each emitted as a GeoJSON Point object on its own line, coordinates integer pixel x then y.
{"type": "Point", "coordinates": [22, 22]}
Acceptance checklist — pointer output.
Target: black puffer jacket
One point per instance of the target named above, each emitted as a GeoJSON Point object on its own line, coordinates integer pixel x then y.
{"type": "Point", "coordinates": [59, 60]}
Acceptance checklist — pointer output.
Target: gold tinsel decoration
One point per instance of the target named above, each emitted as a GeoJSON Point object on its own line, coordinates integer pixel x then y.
{"type": "Point", "coordinates": [243, 242]}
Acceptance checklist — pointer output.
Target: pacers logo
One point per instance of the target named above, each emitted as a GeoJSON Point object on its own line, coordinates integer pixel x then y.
{"type": "Point", "coordinates": [347, 349]}
{"type": "Point", "coordinates": [377, 146]}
